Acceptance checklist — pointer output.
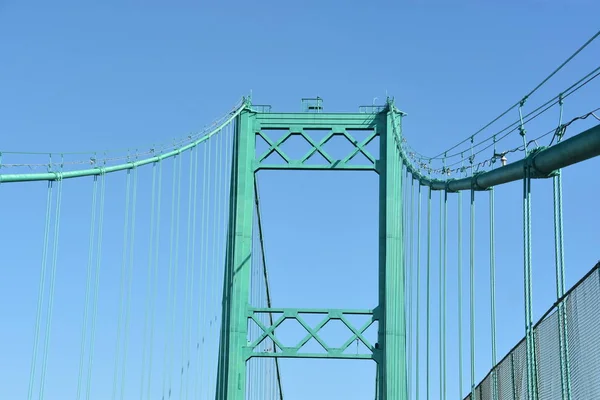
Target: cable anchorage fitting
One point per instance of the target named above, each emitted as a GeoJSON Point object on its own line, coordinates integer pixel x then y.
{"type": "Point", "coordinates": [522, 130]}
{"type": "Point", "coordinates": [474, 184]}
{"type": "Point", "coordinates": [447, 186]}
{"type": "Point", "coordinates": [529, 164]}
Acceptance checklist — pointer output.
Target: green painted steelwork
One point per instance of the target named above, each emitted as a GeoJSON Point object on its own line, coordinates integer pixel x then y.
{"type": "Point", "coordinates": [428, 298]}
{"type": "Point", "coordinates": [410, 283]}
{"type": "Point", "coordinates": [493, 292]}
{"type": "Point", "coordinates": [231, 381]}
{"type": "Point", "coordinates": [266, 275]}
{"type": "Point", "coordinates": [459, 274]}
{"type": "Point", "coordinates": [472, 292]}
{"type": "Point", "coordinates": [565, 369]}
{"type": "Point", "coordinates": [544, 163]}
{"type": "Point", "coordinates": [529, 329]}
{"type": "Point", "coordinates": [313, 333]}
{"type": "Point", "coordinates": [443, 295]}
{"type": "Point", "coordinates": [52, 175]}
{"type": "Point", "coordinates": [389, 352]}
{"type": "Point", "coordinates": [579, 148]}
{"type": "Point", "coordinates": [392, 329]}
{"type": "Point", "coordinates": [418, 295]}
{"type": "Point", "coordinates": [302, 125]}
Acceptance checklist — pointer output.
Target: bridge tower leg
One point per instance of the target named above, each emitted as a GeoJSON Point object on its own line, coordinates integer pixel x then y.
{"type": "Point", "coordinates": [231, 378]}
{"type": "Point", "coordinates": [391, 368]}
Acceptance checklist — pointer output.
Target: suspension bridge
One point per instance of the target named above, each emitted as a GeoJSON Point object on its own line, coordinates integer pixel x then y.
{"type": "Point", "coordinates": [145, 273]}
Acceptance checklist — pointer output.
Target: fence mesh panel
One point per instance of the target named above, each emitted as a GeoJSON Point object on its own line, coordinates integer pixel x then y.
{"type": "Point", "coordinates": [486, 389]}
{"type": "Point", "coordinates": [547, 350]}
{"type": "Point", "coordinates": [583, 335]}
{"type": "Point", "coordinates": [505, 381]}
{"type": "Point", "coordinates": [581, 307]}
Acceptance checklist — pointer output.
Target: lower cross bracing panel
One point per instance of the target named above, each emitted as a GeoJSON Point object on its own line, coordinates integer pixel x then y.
{"type": "Point", "coordinates": [365, 349]}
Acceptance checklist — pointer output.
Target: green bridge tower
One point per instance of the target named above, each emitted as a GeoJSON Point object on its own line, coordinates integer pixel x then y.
{"type": "Point", "coordinates": [389, 353]}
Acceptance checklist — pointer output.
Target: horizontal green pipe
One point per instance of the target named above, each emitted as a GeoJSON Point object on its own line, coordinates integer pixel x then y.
{"type": "Point", "coordinates": [52, 176]}
{"type": "Point", "coordinates": [579, 148]}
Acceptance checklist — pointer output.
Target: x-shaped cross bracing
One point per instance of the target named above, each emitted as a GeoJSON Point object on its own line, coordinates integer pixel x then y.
{"type": "Point", "coordinates": [313, 333]}
{"type": "Point", "coordinates": [275, 147]}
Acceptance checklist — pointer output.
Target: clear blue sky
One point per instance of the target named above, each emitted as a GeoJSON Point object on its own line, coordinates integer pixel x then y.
{"type": "Point", "coordinates": [104, 75]}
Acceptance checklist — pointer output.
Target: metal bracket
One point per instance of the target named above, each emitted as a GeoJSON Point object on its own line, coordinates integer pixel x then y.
{"type": "Point", "coordinates": [530, 163]}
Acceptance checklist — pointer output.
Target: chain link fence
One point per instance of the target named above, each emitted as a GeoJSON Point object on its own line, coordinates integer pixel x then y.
{"type": "Point", "coordinates": [581, 307]}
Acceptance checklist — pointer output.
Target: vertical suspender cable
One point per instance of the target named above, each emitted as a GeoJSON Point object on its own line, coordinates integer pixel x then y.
{"type": "Point", "coordinates": [250, 375]}
{"type": "Point", "coordinates": [205, 218]}
{"type": "Point", "coordinates": [258, 374]}
{"type": "Point", "coordinates": [428, 273]}
{"type": "Point", "coordinates": [194, 171]}
{"type": "Point", "coordinates": [530, 343]}
{"type": "Point", "coordinates": [201, 271]}
{"type": "Point", "coordinates": [156, 248]}
{"type": "Point", "coordinates": [166, 386]}
{"type": "Point", "coordinates": [407, 281]}
{"type": "Point", "coordinates": [213, 263]}
{"type": "Point", "coordinates": [396, 266]}
{"type": "Point", "coordinates": [189, 283]}
{"type": "Point", "coordinates": [440, 277]}
{"type": "Point", "coordinates": [529, 334]}
{"type": "Point", "coordinates": [129, 280]}
{"type": "Point", "coordinates": [254, 284]}
{"type": "Point", "coordinates": [472, 293]}
{"type": "Point", "coordinates": [391, 296]}
{"type": "Point", "coordinates": [220, 230]}
{"type": "Point", "coordinates": [96, 285]}
{"type": "Point", "coordinates": [560, 272]}
{"type": "Point", "coordinates": [52, 282]}
{"type": "Point", "coordinates": [267, 288]}
{"type": "Point", "coordinates": [418, 319]}
{"type": "Point", "coordinates": [42, 284]}
{"type": "Point", "coordinates": [404, 275]}
{"type": "Point", "coordinates": [216, 250]}
{"type": "Point", "coordinates": [176, 275]}
{"type": "Point", "coordinates": [150, 280]}
{"type": "Point", "coordinates": [399, 270]}
{"type": "Point", "coordinates": [88, 284]}
{"type": "Point", "coordinates": [123, 281]}
{"type": "Point", "coordinates": [264, 370]}
{"type": "Point", "coordinates": [225, 139]}
{"type": "Point", "coordinates": [218, 201]}
{"type": "Point", "coordinates": [493, 294]}
{"type": "Point", "coordinates": [472, 280]}
{"type": "Point", "coordinates": [411, 268]}
{"type": "Point", "coordinates": [186, 281]}
{"type": "Point", "coordinates": [263, 301]}
{"type": "Point", "coordinates": [443, 310]}
{"type": "Point", "coordinates": [459, 296]}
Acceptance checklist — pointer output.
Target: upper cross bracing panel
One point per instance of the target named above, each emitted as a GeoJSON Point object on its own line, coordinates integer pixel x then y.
{"type": "Point", "coordinates": [317, 132]}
